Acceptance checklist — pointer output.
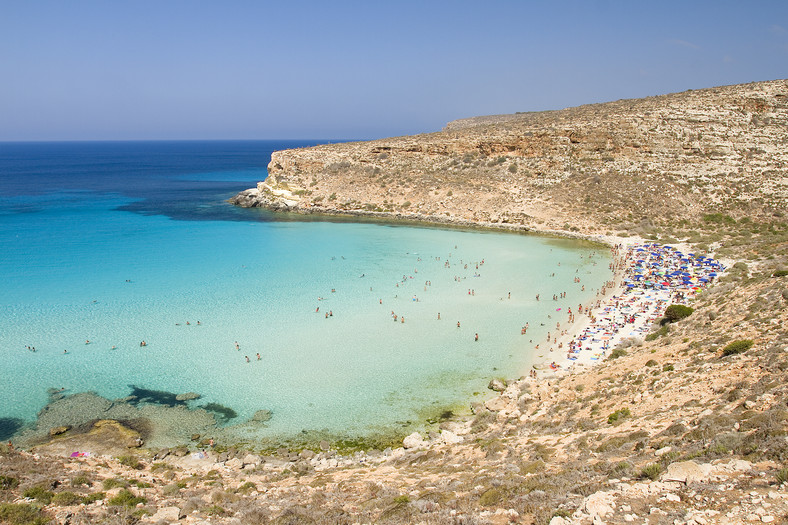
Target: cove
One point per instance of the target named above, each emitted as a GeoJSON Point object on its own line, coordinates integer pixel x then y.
{"type": "Point", "coordinates": [89, 275]}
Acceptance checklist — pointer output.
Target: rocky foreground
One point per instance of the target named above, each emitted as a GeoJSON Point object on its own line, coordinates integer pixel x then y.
{"type": "Point", "coordinates": [687, 426]}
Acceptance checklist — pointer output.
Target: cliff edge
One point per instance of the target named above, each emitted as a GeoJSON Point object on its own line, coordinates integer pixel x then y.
{"type": "Point", "coordinates": [625, 166]}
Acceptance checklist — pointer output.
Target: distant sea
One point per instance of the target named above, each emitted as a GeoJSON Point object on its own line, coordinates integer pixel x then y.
{"type": "Point", "coordinates": [108, 244]}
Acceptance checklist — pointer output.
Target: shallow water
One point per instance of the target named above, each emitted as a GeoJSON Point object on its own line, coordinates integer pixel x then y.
{"type": "Point", "coordinates": [129, 253]}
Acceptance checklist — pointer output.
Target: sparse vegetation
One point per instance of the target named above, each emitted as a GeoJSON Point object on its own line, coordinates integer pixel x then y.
{"type": "Point", "coordinates": [737, 347]}
{"type": "Point", "coordinates": [126, 498]}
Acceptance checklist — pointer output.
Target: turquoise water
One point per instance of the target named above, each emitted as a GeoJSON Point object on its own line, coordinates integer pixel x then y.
{"type": "Point", "coordinates": [112, 268]}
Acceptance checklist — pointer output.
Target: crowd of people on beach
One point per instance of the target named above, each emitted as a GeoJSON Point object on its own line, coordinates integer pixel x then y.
{"type": "Point", "coordinates": [653, 276]}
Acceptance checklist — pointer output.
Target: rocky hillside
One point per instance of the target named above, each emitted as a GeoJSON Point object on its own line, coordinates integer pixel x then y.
{"type": "Point", "coordinates": [686, 426]}
{"type": "Point", "coordinates": [640, 165]}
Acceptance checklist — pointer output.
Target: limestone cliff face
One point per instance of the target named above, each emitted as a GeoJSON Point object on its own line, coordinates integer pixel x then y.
{"type": "Point", "coordinates": [596, 167]}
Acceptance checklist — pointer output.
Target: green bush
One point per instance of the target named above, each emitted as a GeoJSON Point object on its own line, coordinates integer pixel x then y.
{"type": "Point", "coordinates": [651, 471]}
{"type": "Point", "coordinates": [90, 498]}
{"type": "Point", "coordinates": [651, 362]}
{"type": "Point", "coordinates": [616, 353]}
{"type": "Point", "coordinates": [8, 483]}
{"type": "Point", "coordinates": [130, 461]}
{"type": "Point", "coordinates": [618, 415]}
{"type": "Point", "coordinates": [114, 483]}
{"type": "Point", "coordinates": [64, 499]}
{"type": "Point", "coordinates": [782, 476]}
{"type": "Point", "coordinates": [21, 514]}
{"type": "Point", "coordinates": [81, 481]}
{"type": "Point", "coordinates": [676, 312]}
{"type": "Point", "coordinates": [737, 347]}
{"type": "Point", "coordinates": [780, 273]}
{"type": "Point", "coordinates": [40, 494]}
{"type": "Point", "coordinates": [126, 498]}
{"type": "Point", "coordinates": [668, 368]}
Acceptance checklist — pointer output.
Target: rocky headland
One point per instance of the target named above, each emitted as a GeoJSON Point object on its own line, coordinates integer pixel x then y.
{"type": "Point", "coordinates": [688, 425]}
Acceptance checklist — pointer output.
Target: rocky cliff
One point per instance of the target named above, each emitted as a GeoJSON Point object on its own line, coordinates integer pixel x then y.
{"type": "Point", "coordinates": [629, 165]}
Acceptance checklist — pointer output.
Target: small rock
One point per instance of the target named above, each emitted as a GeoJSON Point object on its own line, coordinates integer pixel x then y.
{"type": "Point", "coordinates": [324, 445]}
{"type": "Point", "coordinates": [307, 454]}
{"type": "Point", "coordinates": [56, 431]}
{"type": "Point", "coordinates": [195, 437]}
{"type": "Point", "coordinates": [767, 519]}
{"type": "Point", "coordinates": [663, 451]}
{"type": "Point", "coordinates": [188, 396]}
{"type": "Point", "coordinates": [672, 497]}
{"type": "Point", "coordinates": [558, 520]}
{"type": "Point", "coordinates": [499, 385]}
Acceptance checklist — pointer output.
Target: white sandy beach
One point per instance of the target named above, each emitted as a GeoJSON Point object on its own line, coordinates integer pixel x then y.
{"type": "Point", "coordinates": [648, 277]}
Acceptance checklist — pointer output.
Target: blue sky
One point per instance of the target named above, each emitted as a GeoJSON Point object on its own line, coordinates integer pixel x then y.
{"type": "Point", "coordinates": [112, 70]}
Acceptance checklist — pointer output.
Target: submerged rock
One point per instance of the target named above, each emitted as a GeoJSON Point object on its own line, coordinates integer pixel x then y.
{"type": "Point", "coordinates": [188, 396]}
{"type": "Point", "coordinates": [261, 416]}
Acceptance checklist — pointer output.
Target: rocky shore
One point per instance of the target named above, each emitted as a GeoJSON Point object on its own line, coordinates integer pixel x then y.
{"type": "Point", "coordinates": [687, 424]}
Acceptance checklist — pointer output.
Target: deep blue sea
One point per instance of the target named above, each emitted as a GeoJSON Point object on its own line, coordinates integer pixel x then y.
{"type": "Point", "coordinates": [106, 245]}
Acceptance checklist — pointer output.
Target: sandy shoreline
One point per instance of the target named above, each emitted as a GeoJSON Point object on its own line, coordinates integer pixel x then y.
{"type": "Point", "coordinates": [647, 278]}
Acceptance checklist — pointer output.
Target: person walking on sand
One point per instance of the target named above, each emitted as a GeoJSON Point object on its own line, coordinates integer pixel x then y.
{"type": "Point", "coordinates": [476, 337]}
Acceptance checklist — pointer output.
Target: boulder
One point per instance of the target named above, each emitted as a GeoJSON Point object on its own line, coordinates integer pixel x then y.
{"type": "Point", "coordinates": [166, 514]}
{"type": "Point", "coordinates": [251, 459]}
{"type": "Point", "coordinates": [599, 504]}
{"type": "Point", "coordinates": [687, 472]}
{"type": "Point", "coordinates": [496, 404]}
{"type": "Point", "coordinates": [413, 441]}
{"type": "Point", "coordinates": [450, 438]}
{"type": "Point", "coordinates": [499, 385]}
{"type": "Point", "coordinates": [234, 463]}
{"type": "Point", "coordinates": [56, 431]}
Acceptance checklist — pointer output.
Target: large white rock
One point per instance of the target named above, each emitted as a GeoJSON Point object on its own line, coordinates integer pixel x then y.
{"type": "Point", "coordinates": [166, 514]}
{"type": "Point", "coordinates": [251, 459]}
{"type": "Point", "coordinates": [234, 463]}
{"type": "Point", "coordinates": [599, 504]}
{"type": "Point", "coordinates": [687, 472]}
{"type": "Point", "coordinates": [413, 441]}
{"type": "Point", "coordinates": [450, 438]}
